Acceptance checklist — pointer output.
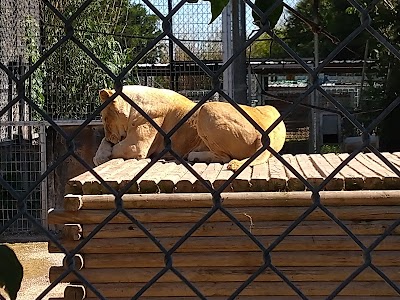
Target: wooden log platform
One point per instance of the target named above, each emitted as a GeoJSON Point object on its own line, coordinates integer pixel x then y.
{"type": "Point", "coordinates": [168, 201]}
{"type": "Point", "coordinates": [365, 171]}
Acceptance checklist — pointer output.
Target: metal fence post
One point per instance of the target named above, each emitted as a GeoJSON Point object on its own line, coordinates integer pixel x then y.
{"type": "Point", "coordinates": [227, 50]}
{"type": "Point", "coordinates": [238, 39]}
{"type": "Point", "coordinates": [315, 115]}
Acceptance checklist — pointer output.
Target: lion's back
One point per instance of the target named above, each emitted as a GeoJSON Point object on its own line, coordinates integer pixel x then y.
{"type": "Point", "coordinates": [157, 96]}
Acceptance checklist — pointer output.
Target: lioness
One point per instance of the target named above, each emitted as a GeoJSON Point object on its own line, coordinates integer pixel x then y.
{"type": "Point", "coordinates": [216, 132]}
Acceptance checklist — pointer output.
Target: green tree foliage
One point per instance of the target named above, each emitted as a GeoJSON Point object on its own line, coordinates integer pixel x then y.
{"type": "Point", "coordinates": [139, 27]}
{"type": "Point", "coordinates": [335, 19]}
{"type": "Point", "coordinates": [11, 271]}
{"type": "Point", "coordinates": [217, 7]}
{"type": "Point", "coordinates": [383, 83]}
{"type": "Point", "coordinates": [115, 32]}
{"type": "Point", "coordinates": [382, 86]}
{"type": "Point", "coordinates": [32, 54]}
{"type": "Point", "coordinates": [265, 47]}
{"type": "Point", "coordinates": [264, 5]}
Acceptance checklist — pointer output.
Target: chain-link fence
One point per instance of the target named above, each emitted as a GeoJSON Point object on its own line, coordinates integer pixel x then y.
{"type": "Point", "coordinates": [54, 65]}
{"type": "Point", "coordinates": [30, 28]}
{"type": "Point", "coordinates": [22, 140]}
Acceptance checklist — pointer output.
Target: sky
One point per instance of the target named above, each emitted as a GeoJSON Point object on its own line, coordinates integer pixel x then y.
{"type": "Point", "coordinates": [191, 21]}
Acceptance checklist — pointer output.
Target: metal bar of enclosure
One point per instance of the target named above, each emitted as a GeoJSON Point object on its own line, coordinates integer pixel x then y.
{"type": "Point", "coordinates": [239, 64]}
{"type": "Point", "coordinates": [314, 128]}
{"type": "Point", "coordinates": [43, 168]}
{"type": "Point", "coordinates": [172, 76]}
{"type": "Point", "coordinates": [227, 48]}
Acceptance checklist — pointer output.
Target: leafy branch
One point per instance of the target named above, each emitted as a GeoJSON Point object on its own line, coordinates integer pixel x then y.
{"type": "Point", "coordinates": [217, 6]}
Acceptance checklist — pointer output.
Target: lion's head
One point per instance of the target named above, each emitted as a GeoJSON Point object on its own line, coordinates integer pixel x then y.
{"type": "Point", "coordinates": [114, 117]}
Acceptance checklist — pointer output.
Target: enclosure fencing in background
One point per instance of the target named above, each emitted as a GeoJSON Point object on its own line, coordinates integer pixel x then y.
{"type": "Point", "coordinates": [22, 139]}
{"type": "Point", "coordinates": [70, 34]}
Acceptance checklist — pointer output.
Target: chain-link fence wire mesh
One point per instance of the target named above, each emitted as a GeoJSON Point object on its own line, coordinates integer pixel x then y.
{"type": "Point", "coordinates": [29, 29]}
{"type": "Point", "coordinates": [115, 37]}
{"type": "Point", "coordinates": [22, 142]}
{"type": "Point", "coordinates": [68, 22]}
{"type": "Point", "coordinates": [22, 162]}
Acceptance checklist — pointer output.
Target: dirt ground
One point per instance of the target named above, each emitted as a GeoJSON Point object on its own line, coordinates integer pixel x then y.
{"type": "Point", "coordinates": [36, 262]}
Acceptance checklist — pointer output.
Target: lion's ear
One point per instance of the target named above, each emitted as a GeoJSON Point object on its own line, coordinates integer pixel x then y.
{"type": "Point", "coordinates": [104, 94]}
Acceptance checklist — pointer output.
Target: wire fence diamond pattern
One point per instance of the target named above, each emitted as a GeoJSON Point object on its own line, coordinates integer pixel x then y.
{"type": "Point", "coordinates": [218, 206]}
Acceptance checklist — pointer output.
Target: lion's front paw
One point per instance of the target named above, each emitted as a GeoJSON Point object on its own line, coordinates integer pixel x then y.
{"type": "Point", "coordinates": [103, 153]}
{"type": "Point", "coordinates": [234, 165]}
{"type": "Point", "coordinates": [194, 156]}
{"type": "Point", "coordinates": [100, 159]}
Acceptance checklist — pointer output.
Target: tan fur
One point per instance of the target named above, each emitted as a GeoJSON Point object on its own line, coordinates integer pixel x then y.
{"type": "Point", "coordinates": [133, 136]}
{"type": "Point", "coordinates": [217, 132]}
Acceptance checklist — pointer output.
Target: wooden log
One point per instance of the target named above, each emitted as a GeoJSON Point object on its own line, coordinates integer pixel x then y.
{"type": "Point", "coordinates": [72, 202]}
{"type": "Point", "coordinates": [242, 182]}
{"type": "Point", "coordinates": [372, 181]}
{"type": "Point", "coordinates": [371, 162]}
{"type": "Point", "coordinates": [263, 199]}
{"type": "Point", "coordinates": [381, 163]}
{"type": "Point", "coordinates": [277, 175]}
{"type": "Point", "coordinates": [242, 214]}
{"type": "Point", "coordinates": [353, 180]}
{"type": "Point", "coordinates": [185, 184]}
{"type": "Point", "coordinates": [78, 261]}
{"type": "Point", "coordinates": [254, 289]}
{"type": "Point", "coordinates": [293, 182]}
{"type": "Point", "coordinates": [94, 186]}
{"type": "Point", "coordinates": [242, 259]}
{"type": "Point", "coordinates": [209, 175]}
{"type": "Point", "coordinates": [75, 292]}
{"type": "Point", "coordinates": [325, 169]}
{"type": "Point", "coordinates": [135, 201]}
{"type": "Point", "coordinates": [311, 174]}
{"type": "Point", "coordinates": [222, 177]}
{"type": "Point", "coordinates": [149, 181]}
{"type": "Point", "coordinates": [74, 185]}
{"type": "Point", "coordinates": [390, 179]}
{"type": "Point", "coordinates": [307, 228]}
{"type": "Point", "coordinates": [229, 244]}
{"type": "Point", "coordinates": [371, 166]}
{"type": "Point", "coordinates": [168, 182]}
{"type": "Point", "coordinates": [131, 169]}
{"type": "Point", "coordinates": [72, 232]}
{"type": "Point", "coordinates": [395, 160]}
{"type": "Point", "coordinates": [224, 274]}
{"type": "Point", "coordinates": [259, 178]}
{"type": "Point", "coordinates": [56, 271]}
